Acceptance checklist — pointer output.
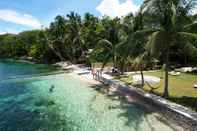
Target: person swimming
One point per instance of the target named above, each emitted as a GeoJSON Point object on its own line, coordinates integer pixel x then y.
{"type": "Point", "coordinates": [52, 88]}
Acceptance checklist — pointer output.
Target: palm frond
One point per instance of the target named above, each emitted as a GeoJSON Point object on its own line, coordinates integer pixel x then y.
{"type": "Point", "coordinates": [157, 43]}
{"type": "Point", "coordinates": [105, 61]}
{"type": "Point", "coordinates": [192, 28]}
{"type": "Point", "coordinates": [194, 17]}
{"type": "Point", "coordinates": [122, 49]}
{"type": "Point", "coordinates": [104, 43]}
{"type": "Point", "coordinates": [188, 35]}
{"type": "Point", "coordinates": [144, 32]}
{"type": "Point", "coordinates": [174, 13]}
{"type": "Point", "coordinates": [148, 5]}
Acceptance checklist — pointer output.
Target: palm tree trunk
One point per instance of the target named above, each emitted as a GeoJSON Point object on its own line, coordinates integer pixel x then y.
{"type": "Point", "coordinates": [142, 76]}
{"type": "Point", "coordinates": [48, 42]}
{"type": "Point", "coordinates": [185, 60]}
{"type": "Point", "coordinates": [122, 68]}
{"type": "Point", "coordinates": [166, 93]}
{"type": "Point", "coordinates": [114, 59]}
{"type": "Point", "coordinates": [56, 52]}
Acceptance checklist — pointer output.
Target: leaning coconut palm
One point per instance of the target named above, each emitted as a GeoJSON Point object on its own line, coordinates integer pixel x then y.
{"type": "Point", "coordinates": [55, 36]}
{"type": "Point", "coordinates": [89, 32]}
{"type": "Point", "coordinates": [171, 19]}
{"type": "Point", "coordinates": [136, 41]}
{"type": "Point", "coordinates": [122, 53]}
{"type": "Point", "coordinates": [106, 50]}
{"type": "Point", "coordinates": [73, 37]}
{"type": "Point", "coordinates": [141, 61]}
{"type": "Point", "coordinates": [50, 44]}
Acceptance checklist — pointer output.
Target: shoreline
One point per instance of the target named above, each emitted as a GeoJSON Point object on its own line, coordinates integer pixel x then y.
{"type": "Point", "coordinates": [181, 115]}
{"type": "Point", "coordinates": [83, 73]}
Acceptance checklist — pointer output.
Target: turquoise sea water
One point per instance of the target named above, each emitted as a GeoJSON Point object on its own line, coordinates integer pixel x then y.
{"type": "Point", "coordinates": [30, 104]}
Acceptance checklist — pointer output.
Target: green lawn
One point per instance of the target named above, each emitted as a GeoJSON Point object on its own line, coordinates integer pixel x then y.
{"type": "Point", "coordinates": [180, 87]}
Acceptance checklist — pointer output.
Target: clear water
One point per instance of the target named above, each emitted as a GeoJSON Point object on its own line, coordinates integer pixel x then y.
{"type": "Point", "coordinates": [27, 104]}
{"type": "Point", "coordinates": [13, 69]}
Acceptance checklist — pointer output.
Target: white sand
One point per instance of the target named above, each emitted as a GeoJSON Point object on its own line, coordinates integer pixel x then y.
{"type": "Point", "coordinates": [83, 72]}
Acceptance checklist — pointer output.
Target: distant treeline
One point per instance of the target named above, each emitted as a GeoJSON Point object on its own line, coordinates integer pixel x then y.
{"type": "Point", "coordinates": [119, 40]}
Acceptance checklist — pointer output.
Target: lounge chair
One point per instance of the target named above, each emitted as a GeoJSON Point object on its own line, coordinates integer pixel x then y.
{"type": "Point", "coordinates": [173, 73]}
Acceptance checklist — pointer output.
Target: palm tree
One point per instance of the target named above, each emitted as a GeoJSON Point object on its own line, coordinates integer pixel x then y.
{"type": "Point", "coordinates": [89, 32]}
{"type": "Point", "coordinates": [170, 19]}
{"type": "Point", "coordinates": [54, 36]}
{"type": "Point", "coordinates": [50, 44]}
{"type": "Point", "coordinates": [106, 50]}
{"type": "Point", "coordinates": [135, 41]}
{"type": "Point", "coordinates": [73, 37]}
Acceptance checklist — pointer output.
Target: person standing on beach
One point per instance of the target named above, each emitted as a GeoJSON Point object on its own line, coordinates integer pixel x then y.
{"type": "Point", "coordinates": [94, 73]}
{"type": "Point", "coordinates": [98, 74]}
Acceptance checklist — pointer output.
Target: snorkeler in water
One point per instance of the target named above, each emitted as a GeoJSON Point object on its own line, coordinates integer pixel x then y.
{"type": "Point", "coordinates": [52, 88]}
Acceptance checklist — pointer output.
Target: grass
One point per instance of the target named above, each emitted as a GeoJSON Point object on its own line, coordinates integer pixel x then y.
{"type": "Point", "coordinates": [180, 87]}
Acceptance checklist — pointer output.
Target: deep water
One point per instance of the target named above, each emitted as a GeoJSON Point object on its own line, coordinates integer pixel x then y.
{"type": "Point", "coordinates": [63, 102]}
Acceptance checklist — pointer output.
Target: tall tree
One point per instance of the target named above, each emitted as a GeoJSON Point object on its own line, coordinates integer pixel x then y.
{"type": "Point", "coordinates": [55, 36]}
{"type": "Point", "coordinates": [106, 50]}
{"type": "Point", "coordinates": [171, 20]}
{"type": "Point", "coordinates": [74, 39]}
{"type": "Point", "coordinates": [136, 44]}
{"type": "Point", "coordinates": [89, 31]}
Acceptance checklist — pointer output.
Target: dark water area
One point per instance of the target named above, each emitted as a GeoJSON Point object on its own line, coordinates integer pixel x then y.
{"type": "Point", "coordinates": [13, 68]}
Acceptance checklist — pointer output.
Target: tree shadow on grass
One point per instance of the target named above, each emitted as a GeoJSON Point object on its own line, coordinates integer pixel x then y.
{"type": "Point", "coordinates": [186, 101]}
{"type": "Point", "coordinates": [193, 72]}
{"type": "Point", "coordinates": [131, 108]}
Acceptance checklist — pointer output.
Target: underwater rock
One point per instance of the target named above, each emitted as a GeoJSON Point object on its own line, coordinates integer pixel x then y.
{"type": "Point", "coordinates": [44, 102]}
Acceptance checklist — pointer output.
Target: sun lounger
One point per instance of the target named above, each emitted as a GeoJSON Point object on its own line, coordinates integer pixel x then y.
{"type": "Point", "coordinates": [173, 73]}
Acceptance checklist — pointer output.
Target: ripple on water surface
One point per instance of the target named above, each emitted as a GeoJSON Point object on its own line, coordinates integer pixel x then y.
{"type": "Point", "coordinates": [65, 103]}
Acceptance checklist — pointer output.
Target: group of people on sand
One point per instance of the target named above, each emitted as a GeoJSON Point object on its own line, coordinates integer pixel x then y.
{"type": "Point", "coordinates": [96, 73]}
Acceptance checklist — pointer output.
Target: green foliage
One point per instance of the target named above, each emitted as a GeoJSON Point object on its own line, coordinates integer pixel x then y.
{"type": "Point", "coordinates": [181, 87]}
{"type": "Point", "coordinates": [173, 21]}
{"type": "Point", "coordinates": [162, 29]}
{"type": "Point", "coordinates": [157, 25]}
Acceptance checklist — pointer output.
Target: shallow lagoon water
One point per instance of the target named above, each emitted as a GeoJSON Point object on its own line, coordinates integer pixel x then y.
{"type": "Point", "coordinates": [27, 104]}
{"type": "Point", "coordinates": [13, 69]}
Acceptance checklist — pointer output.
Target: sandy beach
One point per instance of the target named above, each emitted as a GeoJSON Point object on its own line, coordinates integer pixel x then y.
{"type": "Point", "coordinates": [83, 72]}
